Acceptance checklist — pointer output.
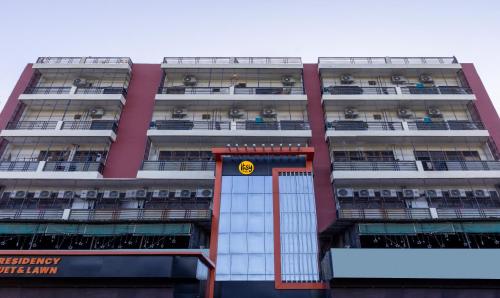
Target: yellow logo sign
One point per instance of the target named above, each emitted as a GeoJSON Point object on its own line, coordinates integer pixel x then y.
{"type": "Point", "coordinates": [246, 167]}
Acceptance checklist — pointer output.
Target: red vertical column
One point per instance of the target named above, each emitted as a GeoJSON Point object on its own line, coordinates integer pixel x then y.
{"type": "Point", "coordinates": [13, 100]}
{"type": "Point", "coordinates": [126, 153]}
{"type": "Point", "coordinates": [483, 103]}
{"type": "Point", "coordinates": [325, 204]}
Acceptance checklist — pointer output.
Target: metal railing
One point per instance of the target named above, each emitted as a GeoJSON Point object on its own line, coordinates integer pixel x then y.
{"type": "Point", "coordinates": [138, 214]}
{"type": "Point", "coordinates": [102, 90]}
{"type": "Point", "coordinates": [356, 90]}
{"type": "Point", "coordinates": [269, 90]}
{"type": "Point", "coordinates": [18, 166]}
{"type": "Point", "coordinates": [193, 90]}
{"type": "Point", "coordinates": [84, 60]}
{"type": "Point", "coordinates": [47, 90]}
{"type": "Point", "coordinates": [190, 125]}
{"type": "Point", "coordinates": [374, 166]}
{"type": "Point", "coordinates": [385, 214]}
{"type": "Point", "coordinates": [448, 213]}
{"type": "Point", "coordinates": [167, 165]}
{"type": "Point", "coordinates": [73, 166]}
{"type": "Point", "coordinates": [232, 60]}
{"type": "Point", "coordinates": [446, 125]}
{"type": "Point", "coordinates": [444, 165]}
{"type": "Point", "coordinates": [363, 125]}
{"type": "Point", "coordinates": [273, 125]}
{"type": "Point", "coordinates": [446, 90]}
{"type": "Point", "coordinates": [91, 125]}
{"type": "Point", "coordinates": [33, 214]}
{"type": "Point", "coordinates": [388, 60]}
{"type": "Point", "coordinates": [32, 125]}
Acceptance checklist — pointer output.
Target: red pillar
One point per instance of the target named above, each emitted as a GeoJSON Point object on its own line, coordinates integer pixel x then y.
{"type": "Point", "coordinates": [13, 100]}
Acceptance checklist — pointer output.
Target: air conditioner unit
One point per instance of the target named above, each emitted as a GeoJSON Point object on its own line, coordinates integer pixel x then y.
{"type": "Point", "coordinates": [96, 112]}
{"type": "Point", "coordinates": [350, 113]}
{"type": "Point", "coordinates": [366, 193]}
{"type": "Point", "coordinates": [397, 79]}
{"type": "Point", "coordinates": [287, 80]}
{"type": "Point", "coordinates": [160, 193]}
{"type": "Point", "coordinates": [18, 194]}
{"type": "Point", "coordinates": [236, 113]}
{"type": "Point", "coordinates": [136, 194]}
{"type": "Point", "coordinates": [183, 193]}
{"type": "Point", "coordinates": [481, 193]}
{"type": "Point", "coordinates": [434, 112]}
{"type": "Point", "coordinates": [42, 194]}
{"type": "Point", "coordinates": [425, 78]}
{"type": "Point", "coordinates": [268, 112]}
{"type": "Point", "coordinates": [388, 193]}
{"type": "Point", "coordinates": [89, 194]}
{"type": "Point", "coordinates": [179, 113]}
{"type": "Point", "coordinates": [434, 193]}
{"type": "Point", "coordinates": [111, 194]}
{"type": "Point", "coordinates": [65, 194]}
{"type": "Point", "coordinates": [345, 192]}
{"type": "Point", "coordinates": [457, 193]}
{"type": "Point", "coordinates": [411, 193]}
{"type": "Point", "coordinates": [204, 193]}
{"type": "Point", "coordinates": [81, 82]}
{"type": "Point", "coordinates": [189, 80]}
{"type": "Point", "coordinates": [404, 113]}
{"type": "Point", "coordinates": [346, 79]}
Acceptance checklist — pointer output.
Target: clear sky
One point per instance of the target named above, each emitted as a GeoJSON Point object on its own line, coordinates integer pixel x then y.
{"type": "Point", "coordinates": [147, 30]}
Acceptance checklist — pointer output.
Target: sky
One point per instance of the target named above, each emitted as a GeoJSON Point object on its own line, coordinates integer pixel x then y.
{"type": "Point", "coordinates": [148, 30]}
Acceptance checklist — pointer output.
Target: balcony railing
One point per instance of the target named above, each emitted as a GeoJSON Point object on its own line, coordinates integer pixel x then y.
{"type": "Point", "coordinates": [18, 166]}
{"type": "Point", "coordinates": [190, 125]}
{"type": "Point", "coordinates": [32, 125]}
{"type": "Point", "coordinates": [374, 166]}
{"type": "Point", "coordinates": [446, 125]}
{"type": "Point", "coordinates": [102, 90]}
{"type": "Point", "coordinates": [444, 165]}
{"type": "Point", "coordinates": [47, 90]}
{"type": "Point", "coordinates": [468, 213]}
{"type": "Point", "coordinates": [91, 125]}
{"type": "Point", "coordinates": [356, 90]}
{"type": "Point", "coordinates": [385, 214]}
{"type": "Point", "coordinates": [31, 214]}
{"type": "Point", "coordinates": [167, 165]}
{"type": "Point", "coordinates": [232, 60]}
{"type": "Point", "coordinates": [445, 90]}
{"type": "Point", "coordinates": [84, 60]}
{"type": "Point", "coordinates": [193, 90]}
{"type": "Point", "coordinates": [138, 214]}
{"type": "Point", "coordinates": [73, 166]}
{"type": "Point", "coordinates": [273, 125]}
{"type": "Point", "coordinates": [268, 90]}
{"type": "Point", "coordinates": [388, 60]}
{"type": "Point", "coordinates": [363, 125]}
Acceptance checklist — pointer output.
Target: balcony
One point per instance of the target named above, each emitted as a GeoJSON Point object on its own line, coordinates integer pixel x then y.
{"type": "Point", "coordinates": [334, 95]}
{"type": "Point", "coordinates": [414, 172]}
{"type": "Point", "coordinates": [185, 170]}
{"type": "Point", "coordinates": [230, 96]}
{"type": "Point", "coordinates": [382, 214]}
{"type": "Point", "coordinates": [340, 131]}
{"type": "Point", "coordinates": [120, 63]}
{"type": "Point", "coordinates": [390, 63]}
{"type": "Point", "coordinates": [95, 131]}
{"type": "Point", "coordinates": [95, 95]}
{"type": "Point", "coordinates": [61, 170]}
{"type": "Point", "coordinates": [232, 62]}
{"type": "Point", "coordinates": [224, 132]}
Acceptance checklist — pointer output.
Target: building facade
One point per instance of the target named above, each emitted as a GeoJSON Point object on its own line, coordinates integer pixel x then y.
{"type": "Point", "coordinates": [245, 176]}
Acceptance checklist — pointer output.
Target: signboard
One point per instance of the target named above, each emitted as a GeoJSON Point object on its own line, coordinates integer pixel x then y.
{"type": "Point", "coordinates": [246, 167]}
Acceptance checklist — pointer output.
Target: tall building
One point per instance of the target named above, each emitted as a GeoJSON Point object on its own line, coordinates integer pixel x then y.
{"type": "Point", "coordinates": [249, 177]}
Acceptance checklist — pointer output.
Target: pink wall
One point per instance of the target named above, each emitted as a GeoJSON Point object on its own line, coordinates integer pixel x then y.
{"type": "Point", "coordinates": [11, 104]}
{"type": "Point", "coordinates": [325, 203]}
{"type": "Point", "coordinates": [483, 103]}
{"type": "Point", "coordinates": [127, 152]}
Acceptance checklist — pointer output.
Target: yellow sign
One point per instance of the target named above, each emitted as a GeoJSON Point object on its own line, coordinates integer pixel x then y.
{"type": "Point", "coordinates": [246, 167]}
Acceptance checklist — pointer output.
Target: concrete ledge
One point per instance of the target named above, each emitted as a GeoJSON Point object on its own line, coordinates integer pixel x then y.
{"type": "Point", "coordinates": [183, 175]}
{"type": "Point", "coordinates": [67, 97]}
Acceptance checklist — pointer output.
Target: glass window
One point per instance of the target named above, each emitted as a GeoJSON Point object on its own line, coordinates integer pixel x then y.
{"type": "Point", "coordinates": [256, 222]}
